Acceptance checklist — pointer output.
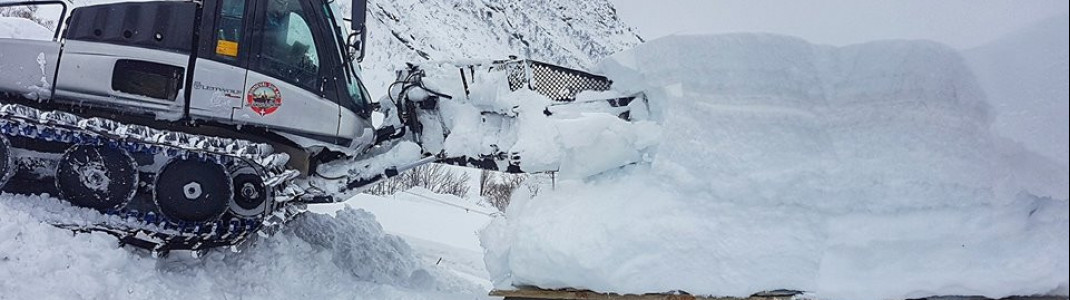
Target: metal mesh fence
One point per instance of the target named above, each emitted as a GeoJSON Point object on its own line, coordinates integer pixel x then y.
{"type": "Point", "coordinates": [557, 83]}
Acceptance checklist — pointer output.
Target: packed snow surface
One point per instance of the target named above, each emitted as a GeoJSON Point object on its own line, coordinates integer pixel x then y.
{"type": "Point", "coordinates": [346, 254]}
{"type": "Point", "coordinates": [860, 172]}
{"type": "Point", "coordinates": [442, 229]}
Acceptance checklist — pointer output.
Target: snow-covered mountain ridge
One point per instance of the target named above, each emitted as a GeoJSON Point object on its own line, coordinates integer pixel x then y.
{"type": "Point", "coordinates": [575, 34]}
{"type": "Point", "coordinates": [570, 33]}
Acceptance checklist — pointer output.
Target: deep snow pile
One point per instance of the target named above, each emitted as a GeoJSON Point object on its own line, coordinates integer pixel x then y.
{"type": "Point", "coordinates": [318, 256]}
{"type": "Point", "coordinates": [861, 172]}
{"type": "Point", "coordinates": [1029, 86]}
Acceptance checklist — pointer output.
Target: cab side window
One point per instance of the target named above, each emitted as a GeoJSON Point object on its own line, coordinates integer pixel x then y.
{"type": "Point", "coordinates": [288, 50]}
{"type": "Point", "coordinates": [228, 31]}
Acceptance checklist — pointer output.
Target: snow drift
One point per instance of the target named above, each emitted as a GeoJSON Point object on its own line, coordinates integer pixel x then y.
{"type": "Point", "coordinates": [861, 172]}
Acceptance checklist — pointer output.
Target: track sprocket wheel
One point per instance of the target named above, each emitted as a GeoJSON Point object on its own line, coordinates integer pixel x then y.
{"type": "Point", "coordinates": [97, 177]}
{"type": "Point", "coordinates": [193, 190]}
{"type": "Point", "coordinates": [251, 195]}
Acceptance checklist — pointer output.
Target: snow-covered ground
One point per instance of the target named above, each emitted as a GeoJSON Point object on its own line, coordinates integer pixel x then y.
{"type": "Point", "coordinates": [862, 172]}
{"type": "Point", "coordinates": [443, 229]}
{"type": "Point", "coordinates": [341, 253]}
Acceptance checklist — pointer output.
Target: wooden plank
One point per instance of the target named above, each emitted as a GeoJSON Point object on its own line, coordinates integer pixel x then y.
{"type": "Point", "coordinates": [570, 294]}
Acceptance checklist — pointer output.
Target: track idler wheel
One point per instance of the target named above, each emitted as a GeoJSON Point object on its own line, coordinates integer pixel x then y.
{"type": "Point", "coordinates": [250, 193]}
{"type": "Point", "coordinates": [7, 161]}
{"type": "Point", "coordinates": [193, 190]}
{"type": "Point", "coordinates": [97, 177]}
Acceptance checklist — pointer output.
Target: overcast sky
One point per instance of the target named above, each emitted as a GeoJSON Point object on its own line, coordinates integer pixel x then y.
{"type": "Point", "coordinates": [959, 23]}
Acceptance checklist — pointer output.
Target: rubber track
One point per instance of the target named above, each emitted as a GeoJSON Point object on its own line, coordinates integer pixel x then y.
{"type": "Point", "coordinates": [147, 229]}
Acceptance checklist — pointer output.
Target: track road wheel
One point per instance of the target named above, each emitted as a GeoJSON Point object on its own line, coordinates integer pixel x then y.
{"type": "Point", "coordinates": [7, 161]}
{"type": "Point", "coordinates": [193, 190]}
{"type": "Point", "coordinates": [250, 193]}
{"type": "Point", "coordinates": [97, 177]}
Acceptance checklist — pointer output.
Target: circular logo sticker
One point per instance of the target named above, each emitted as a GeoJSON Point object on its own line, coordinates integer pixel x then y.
{"type": "Point", "coordinates": [264, 98]}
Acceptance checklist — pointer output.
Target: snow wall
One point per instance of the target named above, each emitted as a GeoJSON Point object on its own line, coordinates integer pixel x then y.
{"type": "Point", "coordinates": [860, 172]}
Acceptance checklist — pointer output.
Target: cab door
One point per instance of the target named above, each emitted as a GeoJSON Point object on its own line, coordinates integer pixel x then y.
{"type": "Point", "coordinates": [222, 60]}
{"type": "Point", "coordinates": [285, 86]}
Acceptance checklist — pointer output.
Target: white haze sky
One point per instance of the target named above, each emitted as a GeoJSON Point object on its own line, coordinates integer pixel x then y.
{"type": "Point", "coordinates": [959, 23]}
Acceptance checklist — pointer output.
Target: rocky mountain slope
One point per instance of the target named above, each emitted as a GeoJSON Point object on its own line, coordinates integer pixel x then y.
{"type": "Point", "coordinates": [571, 33]}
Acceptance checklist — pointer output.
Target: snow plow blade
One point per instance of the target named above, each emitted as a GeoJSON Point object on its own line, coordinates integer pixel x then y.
{"type": "Point", "coordinates": [570, 294]}
{"type": "Point", "coordinates": [493, 88]}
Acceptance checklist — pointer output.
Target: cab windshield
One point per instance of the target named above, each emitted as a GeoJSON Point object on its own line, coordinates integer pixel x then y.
{"type": "Point", "coordinates": [357, 95]}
